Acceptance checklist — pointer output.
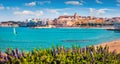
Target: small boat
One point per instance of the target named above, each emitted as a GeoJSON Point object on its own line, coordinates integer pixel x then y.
{"type": "Point", "coordinates": [14, 31]}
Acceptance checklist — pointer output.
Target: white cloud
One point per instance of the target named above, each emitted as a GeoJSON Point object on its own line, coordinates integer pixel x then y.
{"type": "Point", "coordinates": [118, 4]}
{"type": "Point", "coordinates": [8, 8]}
{"type": "Point", "coordinates": [30, 4]}
{"type": "Point", "coordinates": [39, 13]}
{"type": "Point", "coordinates": [82, 1]}
{"type": "Point", "coordinates": [98, 12]}
{"type": "Point", "coordinates": [98, 1]}
{"type": "Point", "coordinates": [12, 8]}
{"type": "Point", "coordinates": [15, 8]}
{"type": "Point", "coordinates": [118, 1]}
{"type": "Point", "coordinates": [27, 12]}
{"type": "Point", "coordinates": [44, 2]}
{"type": "Point", "coordinates": [37, 2]}
{"type": "Point", "coordinates": [73, 2]}
{"type": "Point", "coordinates": [2, 7]}
{"type": "Point", "coordinates": [54, 11]}
{"type": "Point", "coordinates": [65, 13]}
{"type": "Point", "coordinates": [92, 10]}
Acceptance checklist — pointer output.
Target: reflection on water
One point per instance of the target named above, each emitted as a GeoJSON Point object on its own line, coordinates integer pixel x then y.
{"type": "Point", "coordinates": [117, 31]}
{"type": "Point", "coordinates": [114, 30]}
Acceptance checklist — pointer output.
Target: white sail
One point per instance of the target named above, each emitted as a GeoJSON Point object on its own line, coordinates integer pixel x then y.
{"type": "Point", "coordinates": [14, 31]}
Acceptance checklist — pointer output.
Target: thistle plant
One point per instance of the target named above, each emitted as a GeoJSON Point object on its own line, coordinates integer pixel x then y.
{"type": "Point", "coordinates": [61, 55]}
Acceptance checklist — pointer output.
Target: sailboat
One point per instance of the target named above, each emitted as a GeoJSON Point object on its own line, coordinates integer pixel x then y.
{"type": "Point", "coordinates": [14, 31]}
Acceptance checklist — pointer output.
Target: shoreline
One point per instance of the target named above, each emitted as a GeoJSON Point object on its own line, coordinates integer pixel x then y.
{"type": "Point", "coordinates": [107, 28]}
{"type": "Point", "coordinates": [113, 45]}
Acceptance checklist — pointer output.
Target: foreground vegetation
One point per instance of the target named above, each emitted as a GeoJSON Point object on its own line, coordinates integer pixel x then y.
{"type": "Point", "coordinates": [61, 55]}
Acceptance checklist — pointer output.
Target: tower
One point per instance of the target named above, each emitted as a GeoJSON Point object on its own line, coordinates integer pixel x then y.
{"type": "Point", "coordinates": [76, 16]}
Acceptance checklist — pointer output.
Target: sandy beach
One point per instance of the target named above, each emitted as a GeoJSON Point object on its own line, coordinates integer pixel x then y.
{"type": "Point", "coordinates": [114, 45]}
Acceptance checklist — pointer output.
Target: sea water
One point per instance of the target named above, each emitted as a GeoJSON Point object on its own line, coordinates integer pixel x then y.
{"type": "Point", "coordinates": [30, 38]}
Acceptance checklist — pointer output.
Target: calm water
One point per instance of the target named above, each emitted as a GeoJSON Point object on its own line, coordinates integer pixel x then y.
{"type": "Point", "coordinates": [30, 38]}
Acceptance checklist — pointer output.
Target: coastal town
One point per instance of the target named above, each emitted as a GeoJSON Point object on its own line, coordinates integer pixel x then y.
{"type": "Point", "coordinates": [59, 31]}
{"type": "Point", "coordinates": [64, 21]}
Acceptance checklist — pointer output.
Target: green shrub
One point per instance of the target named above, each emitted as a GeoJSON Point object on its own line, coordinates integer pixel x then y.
{"type": "Point", "coordinates": [61, 55]}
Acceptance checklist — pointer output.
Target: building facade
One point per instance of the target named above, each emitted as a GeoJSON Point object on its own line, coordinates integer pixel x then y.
{"type": "Point", "coordinates": [9, 24]}
{"type": "Point", "coordinates": [76, 20]}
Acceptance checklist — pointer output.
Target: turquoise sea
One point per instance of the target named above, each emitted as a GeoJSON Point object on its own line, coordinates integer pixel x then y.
{"type": "Point", "coordinates": [30, 38]}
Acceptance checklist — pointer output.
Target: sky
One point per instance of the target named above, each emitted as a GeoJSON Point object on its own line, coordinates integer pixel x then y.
{"type": "Point", "coordinates": [20, 10]}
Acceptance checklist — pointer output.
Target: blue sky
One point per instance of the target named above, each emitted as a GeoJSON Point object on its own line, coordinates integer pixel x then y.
{"type": "Point", "coordinates": [19, 10]}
